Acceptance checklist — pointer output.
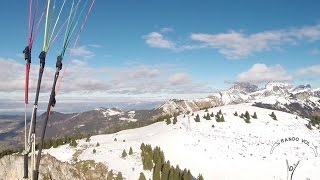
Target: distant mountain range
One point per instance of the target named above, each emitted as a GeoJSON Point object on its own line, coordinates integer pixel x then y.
{"type": "Point", "coordinates": [301, 100]}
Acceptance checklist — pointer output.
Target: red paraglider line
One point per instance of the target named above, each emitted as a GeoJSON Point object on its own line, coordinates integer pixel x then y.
{"type": "Point", "coordinates": [32, 26]}
{"type": "Point", "coordinates": [26, 97]}
{"type": "Point", "coordinates": [29, 28]}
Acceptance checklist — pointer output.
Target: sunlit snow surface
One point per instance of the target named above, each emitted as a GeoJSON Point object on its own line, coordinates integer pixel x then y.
{"type": "Point", "coordinates": [232, 150]}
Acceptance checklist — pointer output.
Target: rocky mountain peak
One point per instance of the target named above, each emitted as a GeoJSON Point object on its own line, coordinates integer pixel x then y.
{"type": "Point", "coordinates": [274, 86]}
{"type": "Point", "coordinates": [244, 87]}
{"type": "Point", "coordinates": [302, 87]}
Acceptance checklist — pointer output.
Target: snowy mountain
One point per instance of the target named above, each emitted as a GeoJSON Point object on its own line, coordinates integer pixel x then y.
{"type": "Point", "coordinates": [232, 149]}
{"type": "Point", "coordinates": [301, 100]}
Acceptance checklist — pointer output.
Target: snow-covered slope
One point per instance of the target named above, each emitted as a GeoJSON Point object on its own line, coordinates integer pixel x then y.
{"type": "Point", "coordinates": [232, 150]}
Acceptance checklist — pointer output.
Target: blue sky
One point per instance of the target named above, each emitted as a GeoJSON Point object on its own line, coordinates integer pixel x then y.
{"type": "Point", "coordinates": [165, 49]}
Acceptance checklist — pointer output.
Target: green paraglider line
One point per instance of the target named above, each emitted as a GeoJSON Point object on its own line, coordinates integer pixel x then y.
{"type": "Point", "coordinates": [46, 27]}
{"type": "Point", "coordinates": [52, 100]}
{"type": "Point", "coordinates": [69, 30]}
{"type": "Point", "coordinates": [49, 26]}
{"type": "Point", "coordinates": [84, 6]}
{"type": "Point", "coordinates": [55, 24]}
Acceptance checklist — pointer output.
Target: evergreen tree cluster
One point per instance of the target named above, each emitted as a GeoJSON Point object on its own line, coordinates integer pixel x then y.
{"type": "Point", "coordinates": [219, 116]}
{"type": "Point", "coordinates": [175, 120]}
{"type": "Point", "coordinates": [315, 120]}
{"type": "Point", "coordinates": [153, 159]}
{"type": "Point", "coordinates": [207, 116]}
{"type": "Point", "coordinates": [47, 144]}
{"type": "Point", "coordinates": [197, 118]}
{"type": "Point", "coordinates": [147, 156]}
{"type": "Point", "coordinates": [163, 118]}
{"type": "Point", "coordinates": [246, 116]}
{"type": "Point", "coordinates": [236, 113]}
{"type": "Point", "coordinates": [142, 176]}
{"type": "Point", "coordinates": [273, 116]}
{"type": "Point", "coordinates": [168, 121]}
{"type": "Point", "coordinates": [110, 176]}
{"type": "Point", "coordinates": [7, 152]}
{"type": "Point", "coordinates": [125, 154]}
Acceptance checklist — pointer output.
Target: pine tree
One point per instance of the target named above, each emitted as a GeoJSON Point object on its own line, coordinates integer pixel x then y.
{"type": "Point", "coordinates": [185, 175]}
{"type": "Point", "coordinates": [54, 144]}
{"type": "Point", "coordinates": [220, 112]}
{"type": "Point", "coordinates": [149, 163]}
{"type": "Point", "coordinates": [155, 154]}
{"type": "Point", "coordinates": [97, 144]}
{"type": "Point", "coordinates": [88, 138]}
{"type": "Point", "coordinates": [176, 174]}
{"type": "Point", "coordinates": [218, 117]}
{"type": "Point", "coordinates": [206, 110]}
{"type": "Point", "coordinates": [189, 175]}
{"type": "Point", "coordinates": [119, 176]}
{"type": "Point", "coordinates": [168, 121]}
{"type": "Point", "coordinates": [130, 151]}
{"type": "Point", "coordinates": [212, 115]}
{"type": "Point", "coordinates": [273, 116]}
{"type": "Point", "coordinates": [197, 119]}
{"type": "Point", "coordinates": [222, 118]}
{"type": "Point", "coordinates": [242, 115]}
{"type": "Point", "coordinates": [73, 143]}
{"type": "Point", "coordinates": [124, 154]}
{"type": "Point", "coordinates": [255, 115]}
{"type": "Point", "coordinates": [161, 157]}
{"type": "Point", "coordinates": [175, 120]}
{"type": "Point", "coordinates": [110, 175]}
{"type": "Point", "coordinates": [236, 113]}
{"type": "Point", "coordinates": [247, 117]}
{"type": "Point", "coordinates": [142, 176]}
{"type": "Point", "coordinates": [94, 151]}
{"type": "Point", "coordinates": [165, 171]}
{"type": "Point", "coordinates": [208, 117]}
{"type": "Point", "coordinates": [200, 177]}
{"type": "Point", "coordinates": [142, 146]}
{"type": "Point", "coordinates": [171, 173]}
{"type": "Point", "coordinates": [156, 171]}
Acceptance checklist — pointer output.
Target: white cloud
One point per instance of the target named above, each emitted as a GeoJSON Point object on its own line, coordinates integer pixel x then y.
{"type": "Point", "coordinates": [166, 29]}
{"type": "Point", "coordinates": [312, 70]}
{"type": "Point", "coordinates": [261, 73]}
{"type": "Point", "coordinates": [179, 79]}
{"type": "Point", "coordinates": [95, 45]}
{"type": "Point", "coordinates": [82, 80]}
{"type": "Point", "coordinates": [237, 45]}
{"type": "Point", "coordinates": [82, 52]}
{"type": "Point", "coordinates": [157, 40]}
